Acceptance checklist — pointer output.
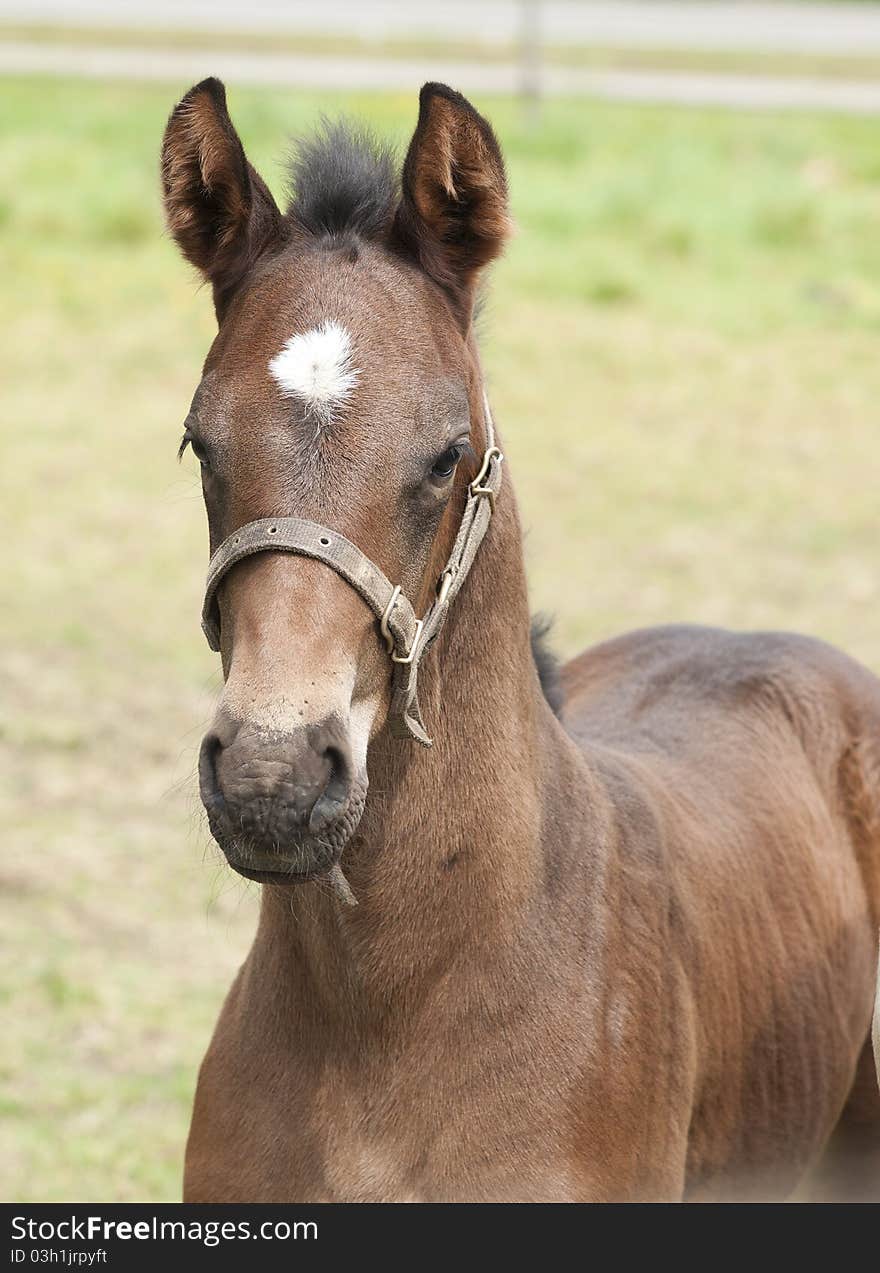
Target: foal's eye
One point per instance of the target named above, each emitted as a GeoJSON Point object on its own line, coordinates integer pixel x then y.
{"type": "Point", "coordinates": [199, 450]}
{"type": "Point", "coordinates": [444, 465]}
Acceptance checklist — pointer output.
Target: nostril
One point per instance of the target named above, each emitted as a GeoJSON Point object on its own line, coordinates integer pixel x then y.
{"type": "Point", "coordinates": [209, 786]}
{"type": "Point", "coordinates": [340, 776]}
{"type": "Point", "coordinates": [335, 796]}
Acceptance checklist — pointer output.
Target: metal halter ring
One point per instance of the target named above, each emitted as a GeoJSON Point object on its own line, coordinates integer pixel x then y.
{"type": "Point", "coordinates": [445, 584]}
{"type": "Point", "coordinates": [476, 488]}
{"type": "Point", "coordinates": [400, 658]}
{"type": "Point", "coordinates": [389, 636]}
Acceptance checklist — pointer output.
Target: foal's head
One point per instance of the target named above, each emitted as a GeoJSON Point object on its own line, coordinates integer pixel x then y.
{"type": "Point", "coordinates": [342, 387]}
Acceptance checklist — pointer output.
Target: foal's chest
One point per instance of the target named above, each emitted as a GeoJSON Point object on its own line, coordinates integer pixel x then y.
{"type": "Point", "coordinates": [358, 1169]}
{"type": "Point", "coordinates": [406, 1140]}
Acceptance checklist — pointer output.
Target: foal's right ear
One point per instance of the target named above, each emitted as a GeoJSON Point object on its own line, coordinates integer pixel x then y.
{"type": "Point", "coordinates": [218, 208]}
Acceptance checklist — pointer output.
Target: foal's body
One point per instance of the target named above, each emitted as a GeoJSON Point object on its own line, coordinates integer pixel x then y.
{"type": "Point", "coordinates": [625, 955]}
{"type": "Point", "coordinates": [618, 1008]}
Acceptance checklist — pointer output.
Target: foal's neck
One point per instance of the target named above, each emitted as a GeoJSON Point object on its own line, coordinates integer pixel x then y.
{"type": "Point", "coordinates": [448, 860]}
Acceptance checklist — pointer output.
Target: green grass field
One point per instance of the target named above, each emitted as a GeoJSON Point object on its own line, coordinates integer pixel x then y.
{"type": "Point", "coordinates": [682, 348]}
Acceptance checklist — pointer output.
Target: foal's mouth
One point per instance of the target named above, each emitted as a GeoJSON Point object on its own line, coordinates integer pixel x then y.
{"type": "Point", "coordinates": [290, 876]}
{"type": "Point", "coordinates": [307, 860]}
{"type": "Point", "coordinates": [287, 859]}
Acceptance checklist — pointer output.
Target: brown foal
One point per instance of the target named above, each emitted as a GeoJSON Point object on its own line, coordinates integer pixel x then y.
{"type": "Point", "coordinates": [625, 951]}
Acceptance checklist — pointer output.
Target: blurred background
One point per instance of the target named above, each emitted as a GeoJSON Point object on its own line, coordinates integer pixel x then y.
{"type": "Point", "coordinates": [682, 350]}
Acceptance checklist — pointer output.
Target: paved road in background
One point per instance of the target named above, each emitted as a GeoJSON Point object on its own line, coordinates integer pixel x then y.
{"type": "Point", "coordinates": [184, 66]}
{"type": "Point", "coordinates": [794, 26]}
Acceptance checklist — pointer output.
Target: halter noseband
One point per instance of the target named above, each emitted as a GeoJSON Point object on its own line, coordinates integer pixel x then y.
{"type": "Point", "coordinates": [406, 636]}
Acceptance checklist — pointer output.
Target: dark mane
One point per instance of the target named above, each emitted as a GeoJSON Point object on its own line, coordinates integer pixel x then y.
{"type": "Point", "coordinates": [342, 180]}
{"type": "Point", "coordinates": [547, 663]}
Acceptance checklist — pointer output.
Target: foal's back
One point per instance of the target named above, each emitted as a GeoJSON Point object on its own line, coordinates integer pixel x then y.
{"type": "Point", "coordinates": [757, 757]}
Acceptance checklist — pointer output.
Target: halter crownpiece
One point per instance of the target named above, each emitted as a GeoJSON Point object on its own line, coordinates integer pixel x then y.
{"type": "Point", "coordinates": [407, 637]}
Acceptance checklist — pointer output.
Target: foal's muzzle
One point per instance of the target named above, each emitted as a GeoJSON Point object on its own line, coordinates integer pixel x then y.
{"type": "Point", "coordinates": [280, 805]}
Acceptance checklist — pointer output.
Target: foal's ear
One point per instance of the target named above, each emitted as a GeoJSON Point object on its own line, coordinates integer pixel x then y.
{"type": "Point", "coordinates": [453, 211]}
{"type": "Point", "coordinates": [218, 208]}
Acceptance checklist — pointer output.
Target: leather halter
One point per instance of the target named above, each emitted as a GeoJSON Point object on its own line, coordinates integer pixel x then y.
{"type": "Point", "coordinates": [407, 637]}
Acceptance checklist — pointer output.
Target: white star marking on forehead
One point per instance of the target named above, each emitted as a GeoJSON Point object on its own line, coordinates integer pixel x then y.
{"type": "Point", "coordinates": [316, 368]}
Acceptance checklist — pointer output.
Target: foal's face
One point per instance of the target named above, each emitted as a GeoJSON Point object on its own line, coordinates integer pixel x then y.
{"type": "Point", "coordinates": [376, 457]}
{"type": "Point", "coordinates": [342, 388]}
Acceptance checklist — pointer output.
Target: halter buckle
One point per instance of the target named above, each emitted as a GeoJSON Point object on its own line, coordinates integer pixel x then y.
{"type": "Point", "coordinates": [476, 487]}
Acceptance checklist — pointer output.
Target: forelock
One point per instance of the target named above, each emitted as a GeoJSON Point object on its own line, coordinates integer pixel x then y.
{"type": "Point", "coordinates": [343, 181]}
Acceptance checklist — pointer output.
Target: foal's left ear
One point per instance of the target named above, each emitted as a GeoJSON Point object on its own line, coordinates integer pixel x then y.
{"type": "Point", "coordinates": [453, 213]}
{"type": "Point", "coordinates": [218, 207]}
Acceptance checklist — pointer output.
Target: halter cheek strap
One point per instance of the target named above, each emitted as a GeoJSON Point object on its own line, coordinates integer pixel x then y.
{"type": "Point", "coordinates": [407, 637]}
